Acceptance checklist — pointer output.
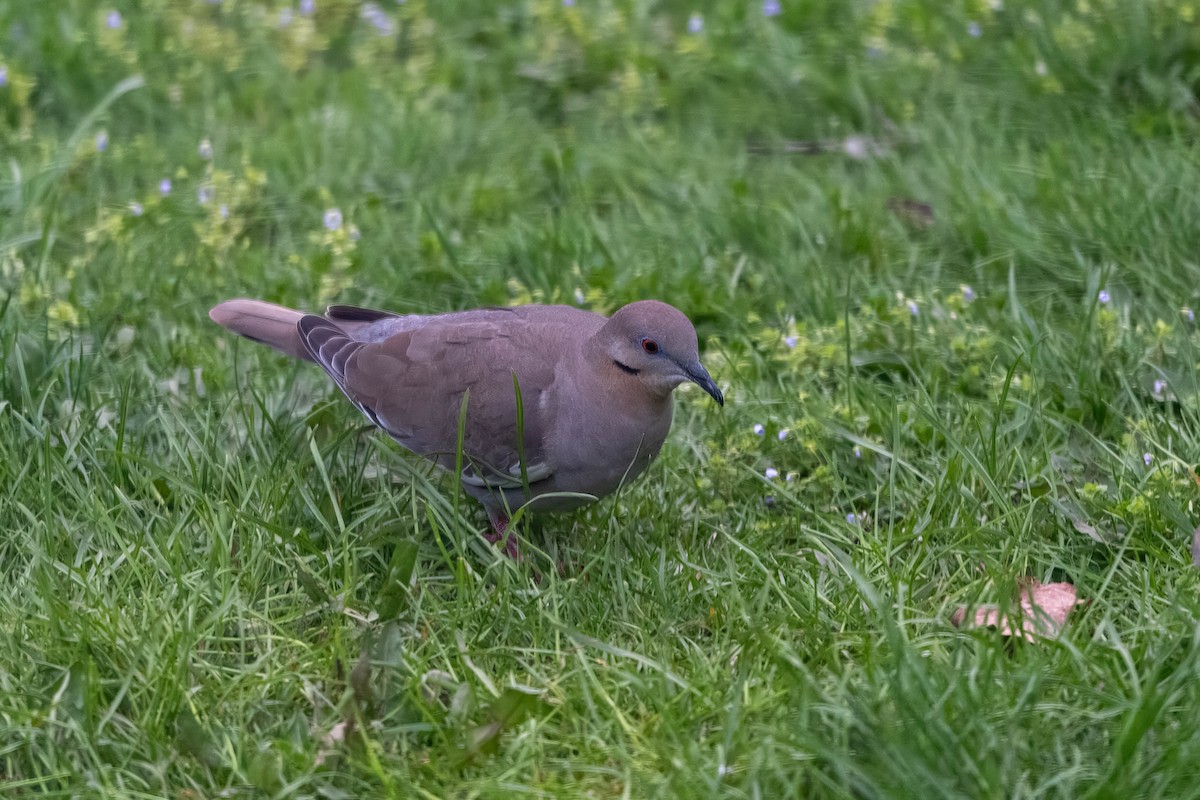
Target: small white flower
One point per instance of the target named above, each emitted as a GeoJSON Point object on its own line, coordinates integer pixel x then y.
{"type": "Point", "coordinates": [695, 24]}
{"type": "Point", "coordinates": [974, 30]}
{"type": "Point", "coordinates": [790, 341]}
{"type": "Point", "coordinates": [968, 293]}
{"type": "Point", "coordinates": [1104, 297]}
{"type": "Point", "coordinates": [759, 430]}
{"type": "Point", "coordinates": [101, 141]}
{"type": "Point", "coordinates": [856, 147]}
{"type": "Point", "coordinates": [205, 149]}
{"type": "Point", "coordinates": [913, 308]}
{"type": "Point", "coordinates": [1189, 315]}
{"type": "Point", "coordinates": [783, 435]}
{"type": "Point", "coordinates": [771, 473]}
{"type": "Point", "coordinates": [223, 211]}
{"type": "Point", "coordinates": [1040, 68]}
{"type": "Point", "coordinates": [1147, 459]}
{"type": "Point", "coordinates": [1160, 386]}
{"type": "Point", "coordinates": [164, 187]}
{"type": "Point", "coordinates": [136, 209]}
{"type": "Point", "coordinates": [333, 218]}
{"type": "Point", "coordinates": [578, 296]}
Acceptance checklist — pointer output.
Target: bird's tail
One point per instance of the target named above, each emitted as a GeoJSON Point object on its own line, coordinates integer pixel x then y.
{"type": "Point", "coordinates": [267, 323]}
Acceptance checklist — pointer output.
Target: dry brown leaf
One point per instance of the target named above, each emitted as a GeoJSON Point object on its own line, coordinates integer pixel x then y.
{"type": "Point", "coordinates": [856, 146]}
{"type": "Point", "coordinates": [911, 212]}
{"type": "Point", "coordinates": [1043, 612]}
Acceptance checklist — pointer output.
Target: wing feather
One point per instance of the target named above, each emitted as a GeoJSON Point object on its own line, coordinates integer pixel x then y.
{"type": "Point", "coordinates": [411, 384]}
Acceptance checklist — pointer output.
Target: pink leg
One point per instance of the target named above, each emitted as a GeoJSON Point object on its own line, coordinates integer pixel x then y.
{"type": "Point", "coordinates": [497, 536]}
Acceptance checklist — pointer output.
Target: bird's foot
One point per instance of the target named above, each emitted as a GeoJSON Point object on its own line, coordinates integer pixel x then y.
{"type": "Point", "coordinates": [499, 535]}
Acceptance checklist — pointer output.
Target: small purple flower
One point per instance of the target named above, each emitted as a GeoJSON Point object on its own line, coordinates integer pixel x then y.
{"type": "Point", "coordinates": [857, 451]}
{"type": "Point", "coordinates": [913, 308]}
{"type": "Point", "coordinates": [782, 435]}
{"type": "Point", "coordinates": [771, 8]}
{"type": "Point", "coordinates": [1104, 297]}
{"type": "Point", "coordinates": [695, 24]}
{"type": "Point", "coordinates": [568, 3]}
{"type": "Point", "coordinates": [101, 141]}
{"type": "Point", "coordinates": [204, 195]}
{"type": "Point", "coordinates": [852, 519]}
{"type": "Point", "coordinates": [759, 430]}
{"type": "Point", "coordinates": [113, 20]}
{"type": "Point", "coordinates": [790, 341]}
{"type": "Point", "coordinates": [205, 149]}
{"type": "Point", "coordinates": [3, 75]}
{"type": "Point", "coordinates": [164, 187]}
{"type": "Point", "coordinates": [373, 14]}
{"type": "Point", "coordinates": [968, 293]}
{"type": "Point", "coordinates": [771, 473]}
{"type": "Point", "coordinates": [308, 7]}
{"type": "Point", "coordinates": [223, 211]}
{"type": "Point", "coordinates": [333, 219]}
{"type": "Point", "coordinates": [974, 30]}
{"type": "Point", "coordinates": [1147, 459]}
{"type": "Point", "coordinates": [1160, 386]}
{"type": "Point", "coordinates": [136, 209]}
{"type": "Point", "coordinates": [1189, 315]}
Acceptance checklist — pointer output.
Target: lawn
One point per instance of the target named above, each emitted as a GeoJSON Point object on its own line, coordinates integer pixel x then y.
{"type": "Point", "coordinates": [941, 258]}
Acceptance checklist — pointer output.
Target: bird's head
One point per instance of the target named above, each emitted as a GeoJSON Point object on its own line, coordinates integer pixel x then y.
{"type": "Point", "coordinates": [654, 343]}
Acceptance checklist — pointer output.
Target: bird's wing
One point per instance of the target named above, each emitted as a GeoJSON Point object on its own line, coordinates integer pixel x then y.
{"type": "Point", "coordinates": [412, 384]}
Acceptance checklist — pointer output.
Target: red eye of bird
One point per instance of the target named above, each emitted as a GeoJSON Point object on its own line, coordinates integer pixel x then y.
{"type": "Point", "coordinates": [650, 346]}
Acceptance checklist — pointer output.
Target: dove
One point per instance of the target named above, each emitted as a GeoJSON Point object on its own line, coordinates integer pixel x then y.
{"type": "Point", "coordinates": [594, 393]}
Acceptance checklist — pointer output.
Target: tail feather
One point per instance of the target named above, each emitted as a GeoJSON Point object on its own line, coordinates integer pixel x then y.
{"type": "Point", "coordinates": [272, 325]}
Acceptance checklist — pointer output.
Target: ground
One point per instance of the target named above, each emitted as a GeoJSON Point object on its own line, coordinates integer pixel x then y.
{"type": "Point", "coordinates": [941, 258]}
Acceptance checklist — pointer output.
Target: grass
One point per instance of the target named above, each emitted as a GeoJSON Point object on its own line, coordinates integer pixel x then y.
{"type": "Point", "coordinates": [219, 582]}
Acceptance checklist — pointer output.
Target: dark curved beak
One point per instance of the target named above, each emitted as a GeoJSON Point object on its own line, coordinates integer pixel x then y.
{"type": "Point", "coordinates": [698, 375]}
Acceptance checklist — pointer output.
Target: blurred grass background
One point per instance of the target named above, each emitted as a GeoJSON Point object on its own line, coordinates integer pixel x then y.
{"type": "Point", "coordinates": [942, 255]}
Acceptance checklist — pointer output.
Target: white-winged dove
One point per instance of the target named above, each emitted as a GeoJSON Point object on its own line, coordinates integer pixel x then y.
{"type": "Point", "coordinates": [595, 392]}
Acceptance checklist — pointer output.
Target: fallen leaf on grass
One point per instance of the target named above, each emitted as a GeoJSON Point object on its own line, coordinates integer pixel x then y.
{"type": "Point", "coordinates": [1043, 611]}
{"type": "Point", "coordinates": [856, 146]}
{"type": "Point", "coordinates": [911, 212]}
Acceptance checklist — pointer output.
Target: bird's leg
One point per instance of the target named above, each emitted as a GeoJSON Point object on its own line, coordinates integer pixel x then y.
{"type": "Point", "coordinates": [500, 535]}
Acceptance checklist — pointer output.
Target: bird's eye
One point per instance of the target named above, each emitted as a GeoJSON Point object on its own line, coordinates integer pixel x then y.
{"type": "Point", "coordinates": [650, 346]}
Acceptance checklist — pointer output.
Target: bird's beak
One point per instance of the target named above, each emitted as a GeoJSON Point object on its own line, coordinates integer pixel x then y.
{"type": "Point", "coordinates": [698, 375]}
